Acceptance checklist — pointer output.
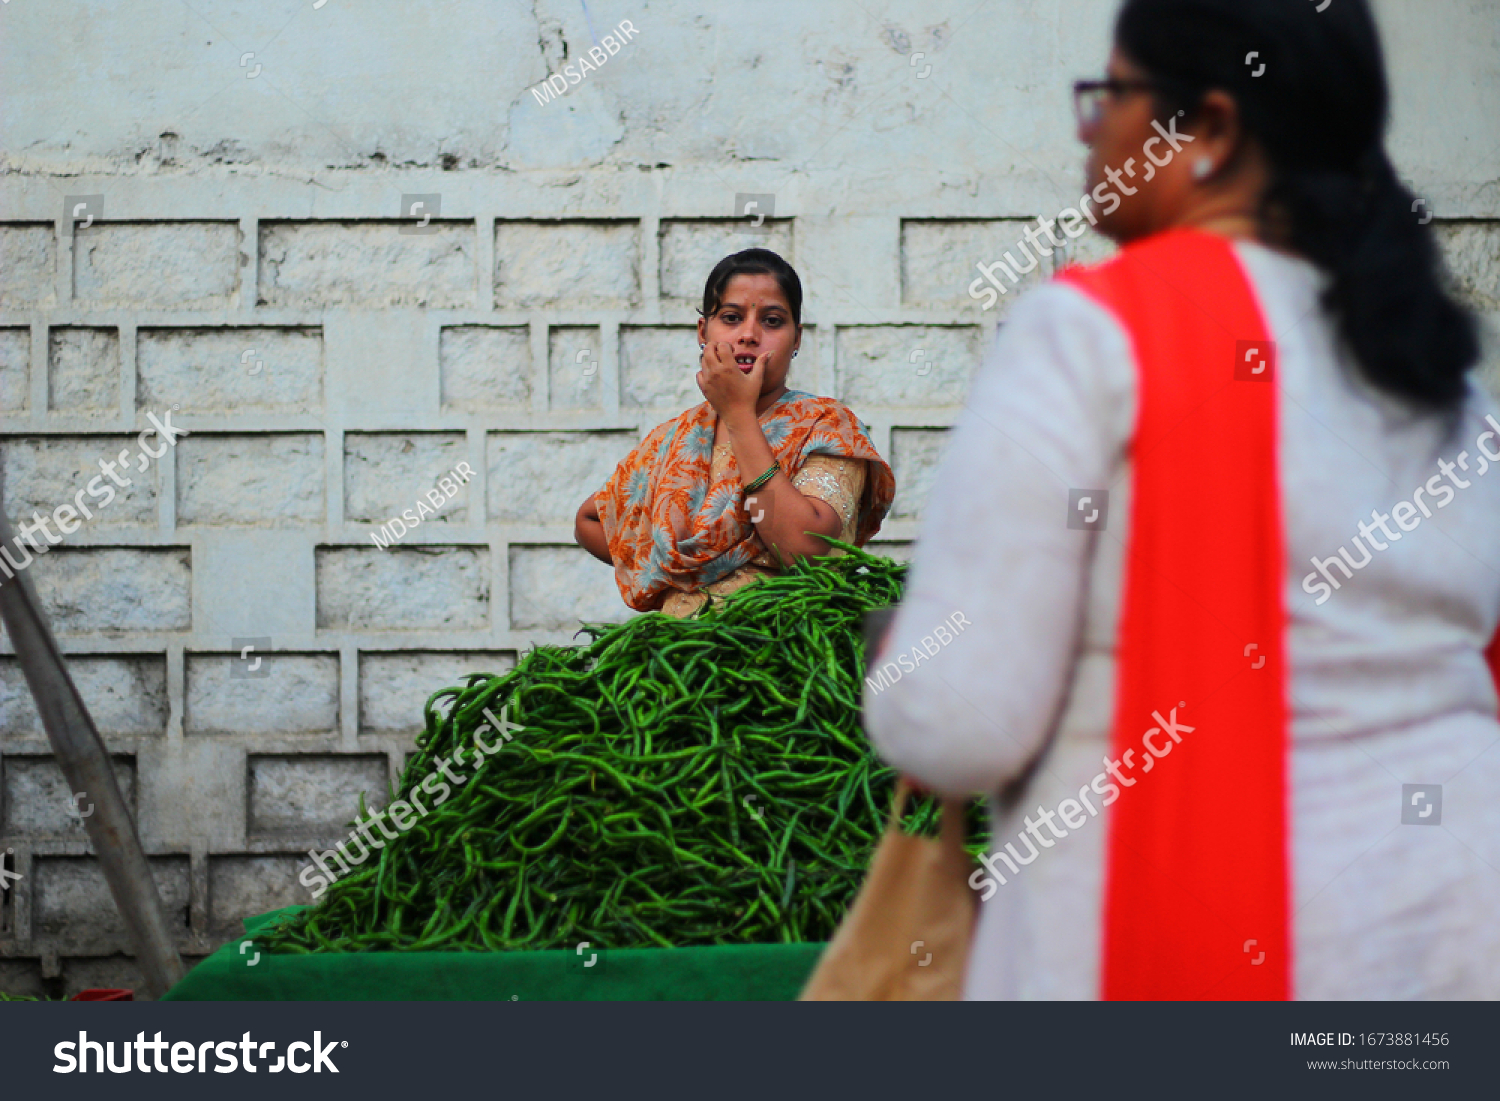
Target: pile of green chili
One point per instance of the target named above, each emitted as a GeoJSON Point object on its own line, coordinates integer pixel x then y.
{"type": "Point", "coordinates": [677, 782]}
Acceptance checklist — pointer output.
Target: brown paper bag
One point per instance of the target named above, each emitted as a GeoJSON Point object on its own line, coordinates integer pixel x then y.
{"type": "Point", "coordinates": [906, 936]}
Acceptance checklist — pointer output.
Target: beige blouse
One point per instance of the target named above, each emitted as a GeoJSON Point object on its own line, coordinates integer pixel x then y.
{"type": "Point", "coordinates": [838, 481]}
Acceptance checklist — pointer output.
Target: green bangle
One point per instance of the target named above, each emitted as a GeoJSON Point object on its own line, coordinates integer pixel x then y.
{"type": "Point", "coordinates": [764, 478]}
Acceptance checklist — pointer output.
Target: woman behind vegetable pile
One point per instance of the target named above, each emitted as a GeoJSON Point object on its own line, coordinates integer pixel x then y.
{"type": "Point", "coordinates": [1230, 695]}
{"type": "Point", "coordinates": [754, 475]}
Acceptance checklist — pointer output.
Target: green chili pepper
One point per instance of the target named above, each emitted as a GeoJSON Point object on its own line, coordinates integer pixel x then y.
{"type": "Point", "coordinates": [676, 782]}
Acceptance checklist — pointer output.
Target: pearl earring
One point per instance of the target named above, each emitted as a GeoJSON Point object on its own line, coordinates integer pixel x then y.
{"type": "Point", "coordinates": [1203, 169]}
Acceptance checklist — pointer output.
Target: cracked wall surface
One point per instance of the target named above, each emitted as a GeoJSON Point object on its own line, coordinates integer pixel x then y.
{"type": "Point", "coordinates": [251, 260]}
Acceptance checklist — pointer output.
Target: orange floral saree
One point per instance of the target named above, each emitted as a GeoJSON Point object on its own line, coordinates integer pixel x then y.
{"type": "Point", "coordinates": [673, 526]}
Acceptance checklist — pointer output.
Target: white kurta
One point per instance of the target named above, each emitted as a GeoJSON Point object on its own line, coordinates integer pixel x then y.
{"type": "Point", "coordinates": [1388, 683]}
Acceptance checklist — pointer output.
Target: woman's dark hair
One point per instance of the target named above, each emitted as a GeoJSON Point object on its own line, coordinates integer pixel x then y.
{"type": "Point", "coordinates": [752, 261]}
{"type": "Point", "coordinates": [1318, 107]}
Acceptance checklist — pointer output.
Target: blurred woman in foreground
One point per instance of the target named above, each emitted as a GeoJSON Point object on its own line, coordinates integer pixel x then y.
{"type": "Point", "coordinates": [751, 477]}
{"type": "Point", "coordinates": [1233, 566]}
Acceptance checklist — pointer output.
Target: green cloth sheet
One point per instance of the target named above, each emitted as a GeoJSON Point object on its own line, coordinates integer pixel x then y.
{"type": "Point", "coordinates": [748, 972]}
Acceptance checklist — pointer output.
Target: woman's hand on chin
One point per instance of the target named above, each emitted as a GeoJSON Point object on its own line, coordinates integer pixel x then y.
{"type": "Point", "coordinates": [729, 388]}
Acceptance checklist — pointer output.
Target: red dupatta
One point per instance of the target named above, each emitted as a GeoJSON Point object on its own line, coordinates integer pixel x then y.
{"type": "Point", "coordinates": [1198, 875]}
{"type": "Point", "coordinates": [1197, 880]}
{"type": "Point", "coordinates": [1494, 656]}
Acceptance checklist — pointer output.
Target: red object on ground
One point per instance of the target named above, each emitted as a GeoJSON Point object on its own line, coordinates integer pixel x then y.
{"type": "Point", "coordinates": [103, 996]}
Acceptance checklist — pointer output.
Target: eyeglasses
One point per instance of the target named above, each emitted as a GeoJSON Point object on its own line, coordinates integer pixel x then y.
{"type": "Point", "coordinates": [1088, 95]}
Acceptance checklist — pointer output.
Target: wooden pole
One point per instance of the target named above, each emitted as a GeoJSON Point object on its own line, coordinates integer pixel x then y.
{"type": "Point", "coordinates": [84, 762]}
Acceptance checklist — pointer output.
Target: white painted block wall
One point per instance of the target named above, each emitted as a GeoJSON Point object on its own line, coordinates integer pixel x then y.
{"type": "Point", "coordinates": [250, 269]}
